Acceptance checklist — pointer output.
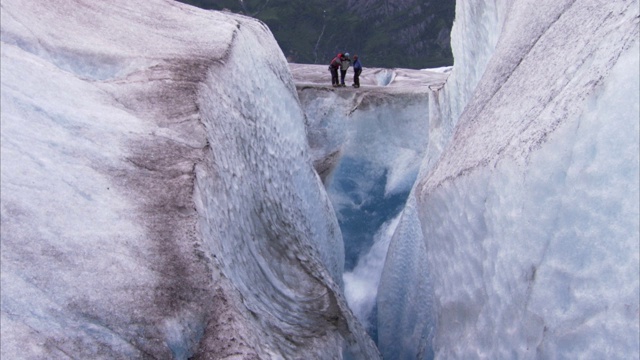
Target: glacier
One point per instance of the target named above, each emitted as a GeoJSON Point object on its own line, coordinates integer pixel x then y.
{"type": "Point", "coordinates": [520, 238]}
{"type": "Point", "coordinates": [172, 188]}
{"type": "Point", "coordinates": [158, 194]}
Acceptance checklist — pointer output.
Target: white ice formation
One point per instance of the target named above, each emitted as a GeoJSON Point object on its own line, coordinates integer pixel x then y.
{"type": "Point", "coordinates": [159, 198]}
{"type": "Point", "coordinates": [520, 238]}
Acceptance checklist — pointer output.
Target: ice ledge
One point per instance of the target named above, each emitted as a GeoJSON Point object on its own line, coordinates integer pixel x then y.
{"type": "Point", "coordinates": [372, 80]}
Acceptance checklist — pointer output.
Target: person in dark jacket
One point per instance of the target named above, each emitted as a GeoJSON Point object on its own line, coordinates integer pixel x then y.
{"type": "Point", "coordinates": [344, 65]}
{"type": "Point", "coordinates": [333, 68]}
{"type": "Point", "coordinates": [357, 70]}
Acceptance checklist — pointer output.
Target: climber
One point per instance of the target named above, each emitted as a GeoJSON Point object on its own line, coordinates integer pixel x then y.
{"type": "Point", "coordinates": [357, 70]}
{"type": "Point", "coordinates": [344, 65]}
{"type": "Point", "coordinates": [333, 68]}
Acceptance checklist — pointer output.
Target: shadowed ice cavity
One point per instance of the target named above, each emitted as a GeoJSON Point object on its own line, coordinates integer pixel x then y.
{"type": "Point", "coordinates": [385, 77]}
{"type": "Point", "coordinates": [362, 211]}
{"type": "Point", "coordinates": [373, 140]}
{"type": "Point", "coordinates": [364, 206]}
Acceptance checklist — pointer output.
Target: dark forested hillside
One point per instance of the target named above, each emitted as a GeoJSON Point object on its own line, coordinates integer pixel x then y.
{"type": "Point", "coordinates": [402, 33]}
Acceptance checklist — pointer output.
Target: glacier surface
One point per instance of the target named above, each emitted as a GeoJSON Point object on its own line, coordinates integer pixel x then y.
{"type": "Point", "coordinates": [526, 209]}
{"type": "Point", "coordinates": [158, 194]}
{"type": "Point", "coordinates": [159, 198]}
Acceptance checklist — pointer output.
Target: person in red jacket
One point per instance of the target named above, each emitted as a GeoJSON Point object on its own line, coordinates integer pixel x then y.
{"type": "Point", "coordinates": [333, 68]}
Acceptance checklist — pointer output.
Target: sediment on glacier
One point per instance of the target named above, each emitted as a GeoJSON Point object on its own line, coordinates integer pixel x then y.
{"type": "Point", "coordinates": [114, 165]}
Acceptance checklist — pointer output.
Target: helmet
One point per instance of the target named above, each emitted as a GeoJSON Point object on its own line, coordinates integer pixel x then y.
{"type": "Point", "coordinates": [346, 54]}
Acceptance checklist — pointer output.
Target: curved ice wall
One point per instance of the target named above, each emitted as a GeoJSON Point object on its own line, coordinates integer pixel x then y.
{"type": "Point", "coordinates": [265, 213]}
{"type": "Point", "coordinates": [157, 195]}
{"type": "Point", "coordinates": [529, 208]}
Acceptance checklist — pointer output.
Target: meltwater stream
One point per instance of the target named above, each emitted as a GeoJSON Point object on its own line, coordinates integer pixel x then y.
{"type": "Point", "coordinates": [367, 221]}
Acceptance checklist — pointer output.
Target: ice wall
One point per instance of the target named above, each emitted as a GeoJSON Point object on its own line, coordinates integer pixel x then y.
{"type": "Point", "coordinates": [286, 254]}
{"type": "Point", "coordinates": [158, 199]}
{"type": "Point", "coordinates": [529, 209]}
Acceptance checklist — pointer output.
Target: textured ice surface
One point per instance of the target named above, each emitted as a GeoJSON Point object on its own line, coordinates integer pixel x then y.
{"type": "Point", "coordinates": [406, 319]}
{"type": "Point", "coordinates": [263, 193]}
{"type": "Point", "coordinates": [528, 198]}
{"type": "Point", "coordinates": [158, 198]}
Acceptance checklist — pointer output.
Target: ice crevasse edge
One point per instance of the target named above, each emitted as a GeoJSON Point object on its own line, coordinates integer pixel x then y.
{"type": "Point", "coordinates": [157, 201]}
{"type": "Point", "coordinates": [520, 238]}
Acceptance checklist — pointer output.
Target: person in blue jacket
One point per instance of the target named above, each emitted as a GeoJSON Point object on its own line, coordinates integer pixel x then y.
{"type": "Point", "coordinates": [357, 70]}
